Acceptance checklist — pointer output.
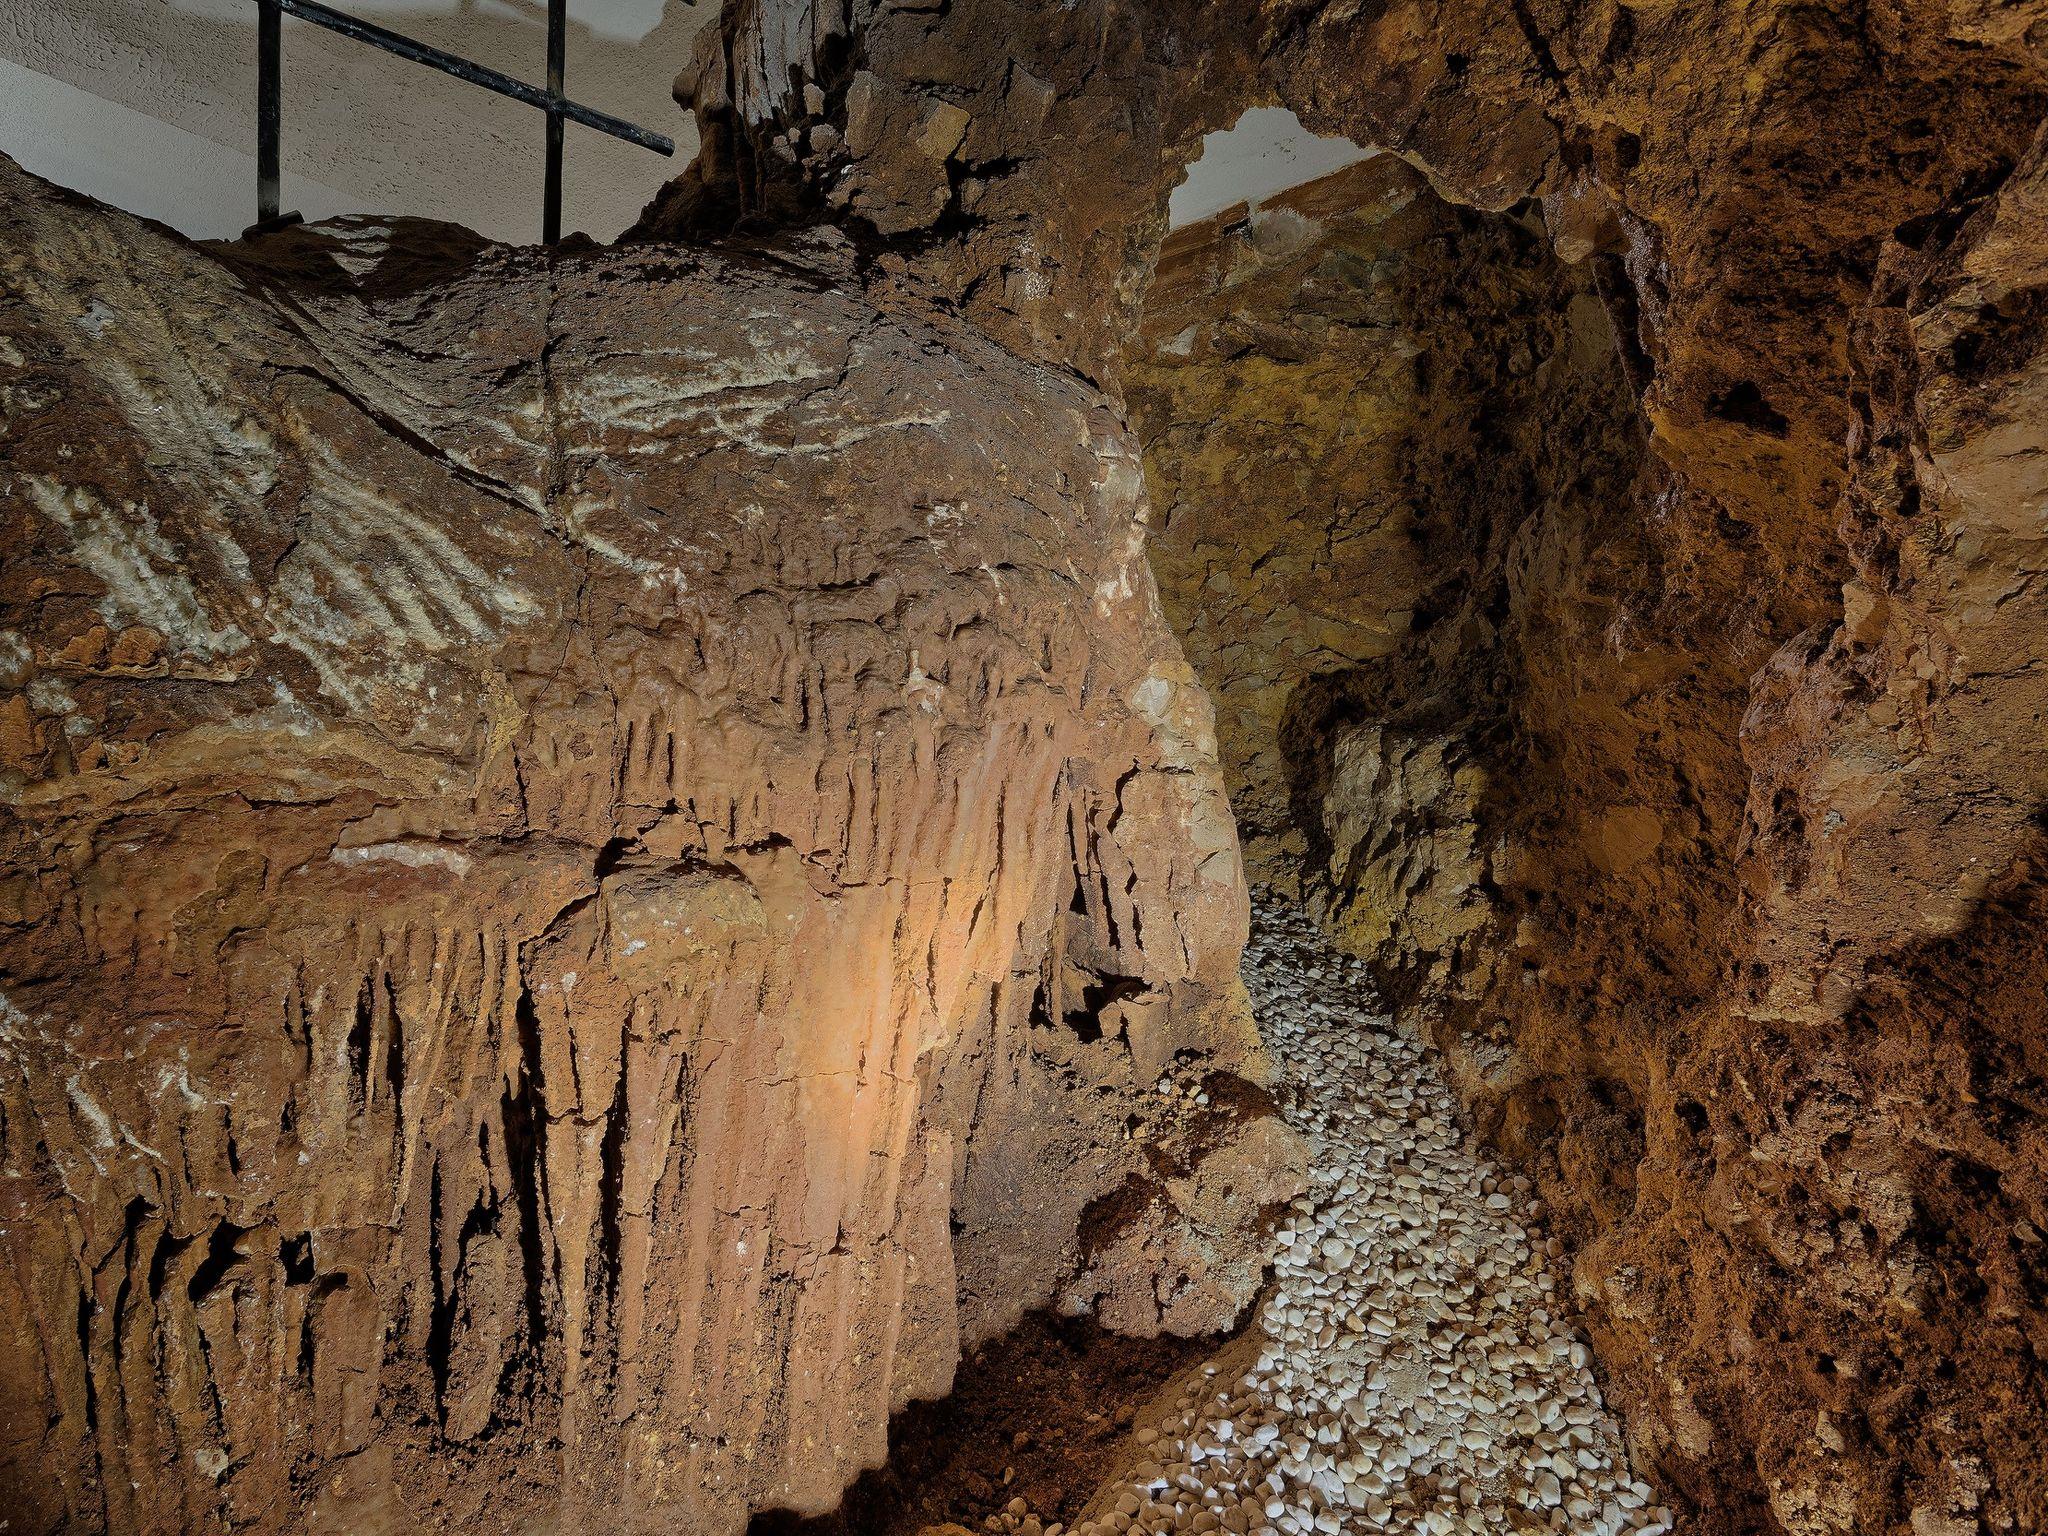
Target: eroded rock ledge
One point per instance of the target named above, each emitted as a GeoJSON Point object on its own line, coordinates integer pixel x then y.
{"type": "Point", "coordinates": [602, 856]}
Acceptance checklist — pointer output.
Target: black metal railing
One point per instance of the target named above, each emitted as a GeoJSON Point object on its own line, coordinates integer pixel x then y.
{"type": "Point", "coordinates": [270, 98]}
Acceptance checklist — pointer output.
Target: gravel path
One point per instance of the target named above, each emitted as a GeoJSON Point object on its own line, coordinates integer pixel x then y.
{"type": "Point", "coordinates": [1411, 1368]}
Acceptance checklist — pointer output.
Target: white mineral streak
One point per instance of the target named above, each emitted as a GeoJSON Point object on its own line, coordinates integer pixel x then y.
{"type": "Point", "coordinates": [139, 568]}
{"type": "Point", "coordinates": [412, 855]}
{"type": "Point", "coordinates": [1415, 1369]}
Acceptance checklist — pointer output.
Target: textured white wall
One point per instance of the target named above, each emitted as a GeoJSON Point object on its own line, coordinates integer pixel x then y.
{"type": "Point", "coordinates": [133, 161]}
{"type": "Point", "coordinates": [1265, 151]}
{"type": "Point", "coordinates": [151, 105]}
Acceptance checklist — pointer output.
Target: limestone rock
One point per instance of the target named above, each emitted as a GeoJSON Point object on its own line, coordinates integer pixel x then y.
{"type": "Point", "coordinates": [1745, 867]}
{"type": "Point", "coordinates": [1750, 1006]}
{"type": "Point", "coordinates": [1758, 1004]}
{"type": "Point", "coordinates": [570, 822]}
{"type": "Point", "coordinates": [1363, 410]}
{"type": "Point", "coordinates": [1402, 816]}
{"type": "Point", "coordinates": [1164, 1254]}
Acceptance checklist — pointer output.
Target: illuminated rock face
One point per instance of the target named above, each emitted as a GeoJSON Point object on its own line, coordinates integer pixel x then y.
{"type": "Point", "coordinates": [1756, 997]}
{"type": "Point", "coordinates": [602, 857]}
{"type": "Point", "coordinates": [1755, 994]}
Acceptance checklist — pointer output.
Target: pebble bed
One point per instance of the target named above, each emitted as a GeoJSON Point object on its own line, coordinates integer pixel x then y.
{"type": "Point", "coordinates": [1415, 1370]}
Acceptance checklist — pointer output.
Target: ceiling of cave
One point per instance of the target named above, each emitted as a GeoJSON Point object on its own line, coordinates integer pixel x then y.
{"type": "Point", "coordinates": [149, 105]}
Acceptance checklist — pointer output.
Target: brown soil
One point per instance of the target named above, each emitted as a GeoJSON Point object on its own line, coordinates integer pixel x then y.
{"type": "Point", "coordinates": [1038, 1414]}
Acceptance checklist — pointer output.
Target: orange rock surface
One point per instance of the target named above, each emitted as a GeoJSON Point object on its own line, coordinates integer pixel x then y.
{"type": "Point", "coordinates": [602, 854]}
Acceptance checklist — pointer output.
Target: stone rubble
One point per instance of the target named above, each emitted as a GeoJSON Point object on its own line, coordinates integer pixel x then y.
{"type": "Point", "coordinates": [1416, 1371]}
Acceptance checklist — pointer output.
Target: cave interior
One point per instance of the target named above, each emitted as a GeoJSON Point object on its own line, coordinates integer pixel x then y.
{"type": "Point", "coordinates": [1155, 770]}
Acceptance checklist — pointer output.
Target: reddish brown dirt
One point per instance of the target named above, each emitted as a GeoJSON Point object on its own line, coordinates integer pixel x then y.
{"type": "Point", "coordinates": [1038, 1414]}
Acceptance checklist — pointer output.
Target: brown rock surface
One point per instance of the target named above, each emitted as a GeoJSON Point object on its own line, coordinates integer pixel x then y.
{"type": "Point", "coordinates": [1802, 1150]}
{"type": "Point", "coordinates": [1756, 994]}
{"type": "Point", "coordinates": [1361, 408]}
{"type": "Point", "coordinates": [602, 853]}
{"type": "Point", "coordinates": [1771, 744]}
{"type": "Point", "coordinates": [1010, 156]}
{"type": "Point", "coordinates": [1810, 1228]}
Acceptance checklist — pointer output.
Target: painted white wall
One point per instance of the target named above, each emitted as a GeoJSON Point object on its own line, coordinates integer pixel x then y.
{"type": "Point", "coordinates": [151, 105]}
{"type": "Point", "coordinates": [64, 135]}
{"type": "Point", "coordinates": [1265, 151]}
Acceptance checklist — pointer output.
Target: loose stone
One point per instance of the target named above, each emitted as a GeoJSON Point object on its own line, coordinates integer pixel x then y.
{"type": "Point", "coordinates": [1412, 1375]}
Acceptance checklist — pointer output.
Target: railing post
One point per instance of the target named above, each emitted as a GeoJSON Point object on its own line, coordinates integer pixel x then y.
{"type": "Point", "coordinates": [551, 191]}
{"type": "Point", "coordinates": [269, 111]}
{"type": "Point", "coordinates": [551, 100]}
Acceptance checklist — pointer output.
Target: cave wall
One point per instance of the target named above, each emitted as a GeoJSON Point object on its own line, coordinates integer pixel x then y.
{"type": "Point", "coordinates": [1750, 1000]}
{"type": "Point", "coordinates": [603, 854]}
{"type": "Point", "coordinates": [1798, 759]}
{"type": "Point", "coordinates": [1367, 416]}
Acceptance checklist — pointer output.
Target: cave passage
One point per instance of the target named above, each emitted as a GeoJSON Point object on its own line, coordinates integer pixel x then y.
{"type": "Point", "coordinates": [1412, 1367]}
{"type": "Point", "coordinates": [1352, 399]}
{"type": "Point", "coordinates": [1363, 412]}
{"type": "Point", "coordinates": [1368, 863]}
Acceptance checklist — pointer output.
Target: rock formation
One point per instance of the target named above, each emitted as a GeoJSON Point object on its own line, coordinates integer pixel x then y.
{"type": "Point", "coordinates": [1758, 899]}
{"type": "Point", "coordinates": [1422, 776]}
{"type": "Point", "coordinates": [603, 854]}
{"type": "Point", "coordinates": [1361, 408]}
{"type": "Point", "coordinates": [404, 630]}
{"type": "Point", "coordinates": [1411, 1368]}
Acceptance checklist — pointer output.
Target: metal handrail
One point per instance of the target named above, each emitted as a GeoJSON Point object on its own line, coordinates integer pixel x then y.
{"type": "Point", "coordinates": [270, 98]}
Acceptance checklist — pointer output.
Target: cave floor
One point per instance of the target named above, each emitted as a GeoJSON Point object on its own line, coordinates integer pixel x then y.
{"type": "Point", "coordinates": [1412, 1367]}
